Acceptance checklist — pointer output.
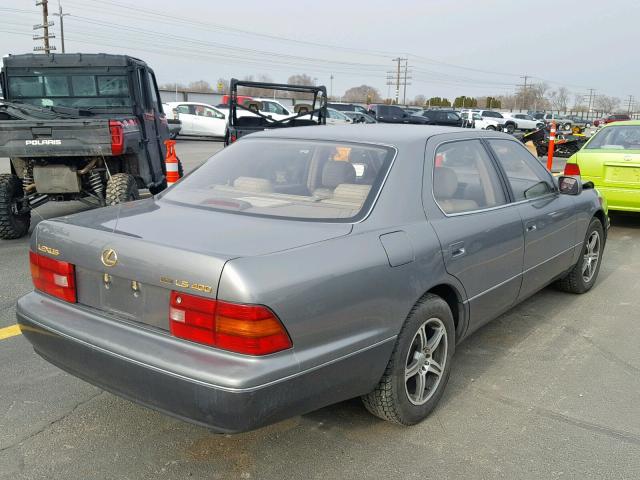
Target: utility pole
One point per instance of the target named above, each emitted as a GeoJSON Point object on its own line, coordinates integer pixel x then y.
{"type": "Point", "coordinates": [395, 78]}
{"type": "Point", "coordinates": [525, 93]}
{"type": "Point", "coordinates": [61, 15]}
{"type": "Point", "coordinates": [592, 96]}
{"type": "Point", "coordinates": [406, 71]}
{"type": "Point", "coordinates": [630, 104]}
{"type": "Point", "coordinates": [331, 87]}
{"type": "Point", "coordinates": [46, 23]}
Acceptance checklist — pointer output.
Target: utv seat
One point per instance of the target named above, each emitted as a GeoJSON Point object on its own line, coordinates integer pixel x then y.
{"type": "Point", "coordinates": [445, 187]}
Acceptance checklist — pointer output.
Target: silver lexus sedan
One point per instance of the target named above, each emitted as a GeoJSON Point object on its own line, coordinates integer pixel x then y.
{"type": "Point", "coordinates": [304, 266]}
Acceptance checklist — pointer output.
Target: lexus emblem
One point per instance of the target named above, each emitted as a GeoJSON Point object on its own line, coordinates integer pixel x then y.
{"type": "Point", "coordinates": [109, 257]}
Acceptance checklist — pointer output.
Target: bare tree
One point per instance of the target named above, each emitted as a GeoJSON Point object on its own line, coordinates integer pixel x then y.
{"type": "Point", "coordinates": [420, 100]}
{"type": "Point", "coordinates": [301, 79]}
{"type": "Point", "coordinates": [363, 93]}
{"type": "Point", "coordinates": [201, 86]}
{"type": "Point", "coordinates": [559, 98]}
{"type": "Point", "coordinates": [172, 86]}
{"type": "Point", "coordinates": [578, 103]}
{"type": "Point", "coordinates": [607, 104]}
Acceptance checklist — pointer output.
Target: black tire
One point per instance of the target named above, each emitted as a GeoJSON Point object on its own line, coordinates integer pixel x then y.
{"type": "Point", "coordinates": [567, 126]}
{"type": "Point", "coordinates": [173, 135]}
{"type": "Point", "coordinates": [121, 188]}
{"type": "Point", "coordinates": [575, 281]}
{"type": "Point", "coordinates": [490, 127]}
{"type": "Point", "coordinates": [510, 128]}
{"type": "Point", "coordinates": [391, 398]}
{"type": "Point", "coordinates": [12, 225]}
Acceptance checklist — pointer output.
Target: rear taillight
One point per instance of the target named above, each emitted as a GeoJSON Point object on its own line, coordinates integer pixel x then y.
{"type": "Point", "coordinates": [571, 169]}
{"type": "Point", "coordinates": [117, 137]}
{"type": "Point", "coordinates": [54, 277]}
{"type": "Point", "coordinates": [248, 329]}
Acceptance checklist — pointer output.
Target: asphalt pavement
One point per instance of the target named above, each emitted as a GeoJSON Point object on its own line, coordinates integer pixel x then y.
{"type": "Point", "coordinates": [549, 390]}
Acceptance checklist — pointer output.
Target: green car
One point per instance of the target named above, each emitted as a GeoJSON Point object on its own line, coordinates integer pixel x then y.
{"type": "Point", "coordinates": [611, 160]}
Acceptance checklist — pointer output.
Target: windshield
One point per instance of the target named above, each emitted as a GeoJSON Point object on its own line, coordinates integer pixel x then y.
{"type": "Point", "coordinates": [76, 91]}
{"type": "Point", "coordinates": [296, 179]}
{"type": "Point", "coordinates": [623, 137]}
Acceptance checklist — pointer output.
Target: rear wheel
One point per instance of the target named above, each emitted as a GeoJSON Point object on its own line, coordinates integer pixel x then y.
{"type": "Point", "coordinates": [419, 368]}
{"type": "Point", "coordinates": [510, 127]}
{"type": "Point", "coordinates": [13, 222]}
{"type": "Point", "coordinates": [567, 126]}
{"type": "Point", "coordinates": [491, 127]}
{"type": "Point", "coordinates": [584, 273]}
{"type": "Point", "coordinates": [121, 188]}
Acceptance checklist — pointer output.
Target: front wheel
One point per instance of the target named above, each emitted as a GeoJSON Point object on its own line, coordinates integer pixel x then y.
{"type": "Point", "coordinates": [583, 275]}
{"type": "Point", "coordinates": [510, 128]}
{"type": "Point", "coordinates": [13, 222]}
{"type": "Point", "coordinates": [418, 371]}
{"type": "Point", "coordinates": [491, 127]}
{"type": "Point", "coordinates": [121, 188]}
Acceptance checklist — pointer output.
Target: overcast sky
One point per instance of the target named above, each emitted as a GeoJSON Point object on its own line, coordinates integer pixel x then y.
{"type": "Point", "coordinates": [455, 47]}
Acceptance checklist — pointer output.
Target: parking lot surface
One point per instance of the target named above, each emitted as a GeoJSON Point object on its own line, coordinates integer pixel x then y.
{"type": "Point", "coordinates": [549, 390]}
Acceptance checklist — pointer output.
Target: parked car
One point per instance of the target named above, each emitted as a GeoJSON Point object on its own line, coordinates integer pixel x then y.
{"type": "Point", "coordinates": [335, 117]}
{"type": "Point", "coordinates": [506, 124]}
{"type": "Point", "coordinates": [198, 119]}
{"type": "Point", "coordinates": [87, 127]}
{"type": "Point", "coordinates": [579, 121]}
{"type": "Point", "coordinates": [412, 110]}
{"type": "Point", "coordinates": [347, 107]}
{"type": "Point", "coordinates": [618, 117]}
{"type": "Point", "coordinates": [307, 266]}
{"type": "Point", "coordinates": [524, 121]}
{"type": "Point", "coordinates": [562, 122]}
{"type": "Point", "coordinates": [358, 117]}
{"type": "Point", "coordinates": [448, 118]}
{"type": "Point", "coordinates": [472, 119]}
{"type": "Point", "coordinates": [394, 114]}
{"type": "Point", "coordinates": [611, 160]}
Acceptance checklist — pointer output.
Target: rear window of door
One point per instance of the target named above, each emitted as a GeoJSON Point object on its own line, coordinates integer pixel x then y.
{"type": "Point", "coordinates": [526, 175]}
{"type": "Point", "coordinates": [465, 179]}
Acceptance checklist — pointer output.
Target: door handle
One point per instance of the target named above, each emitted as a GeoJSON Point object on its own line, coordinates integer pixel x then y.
{"type": "Point", "coordinates": [532, 228]}
{"type": "Point", "coordinates": [457, 249]}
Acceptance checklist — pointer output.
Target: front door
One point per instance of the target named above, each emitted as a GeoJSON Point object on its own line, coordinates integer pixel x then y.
{"type": "Point", "coordinates": [548, 218]}
{"type": "Point", "coordinates": [480, 233]}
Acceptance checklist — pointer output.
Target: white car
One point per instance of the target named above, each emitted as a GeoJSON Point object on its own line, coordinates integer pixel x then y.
{"type": "Point", "coordinates": [472, 118]}
{"type": "Point", "coordinates": [199, 119]}
{"type": "Point", "coordinates": [524, 121]}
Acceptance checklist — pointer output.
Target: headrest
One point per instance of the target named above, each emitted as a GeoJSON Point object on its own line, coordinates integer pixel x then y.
{"type": "Point", "coordinates": [334, 173]}
{"type": "Point", "coordinates": [445, 182]}
{"type": "Point", "coordinates": [302, 108]}
{"type": "Point", "coordinates": [254, 105]}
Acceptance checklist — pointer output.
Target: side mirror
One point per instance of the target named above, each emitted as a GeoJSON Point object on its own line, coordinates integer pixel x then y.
{"type": "Point", "coordinates": [569, 185]}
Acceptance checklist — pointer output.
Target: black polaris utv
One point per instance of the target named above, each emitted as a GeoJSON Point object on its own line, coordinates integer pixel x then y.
{"type": "Point", "coordinates": [86, 127]}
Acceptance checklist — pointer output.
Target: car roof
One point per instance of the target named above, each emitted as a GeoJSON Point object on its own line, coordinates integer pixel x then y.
{"type": "Point", "coordinates": [624, 122]}
{"type": "Point", "coordinates": [378, 133]}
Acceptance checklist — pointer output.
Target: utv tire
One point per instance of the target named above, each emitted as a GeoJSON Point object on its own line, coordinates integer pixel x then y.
{"type": "Point", "coordinates": [121, 188]}
{"type": "Point", "coordinates": [584, 273]}
{"type": "Point", "coordinates": [12, 225]}
{"type": "Point", "coordinates": [425, 346]}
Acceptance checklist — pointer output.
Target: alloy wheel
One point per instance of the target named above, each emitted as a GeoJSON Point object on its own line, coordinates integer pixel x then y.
{"type": "Point", "coordinates": [425, 363]}
{"type": "Point", "coordinates": [591, 257]}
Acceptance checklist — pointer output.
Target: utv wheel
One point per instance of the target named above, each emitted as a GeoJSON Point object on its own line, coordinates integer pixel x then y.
{"type": "Point", "coordinates": [584, 273]}
{"type": "Point", "coordinates": [13, 223]}
{"type": "Point", "coordinates": [419, 368]}
{"type": "Point", "coordinates": [121, 188]}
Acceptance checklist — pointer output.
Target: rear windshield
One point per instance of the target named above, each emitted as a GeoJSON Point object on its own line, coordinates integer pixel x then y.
{"type": "Point", "coordinates": [623, 137]}
{"type": "Point", "coordinates": [52, 90]}
{"type": "Point", "coordinates": [296, 179]}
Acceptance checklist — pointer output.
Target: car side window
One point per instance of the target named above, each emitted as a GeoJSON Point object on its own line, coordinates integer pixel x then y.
{"type": "Point", "coordinates": [526, 175]}
{"type": "Point", "coordinates": [210, 112]}
{"type": "Point", "coordinates": [465, 179]}
{"type": "Point", "coordinates": [453, 116]}
{"type": "Point", "coordinates": [184, 109]}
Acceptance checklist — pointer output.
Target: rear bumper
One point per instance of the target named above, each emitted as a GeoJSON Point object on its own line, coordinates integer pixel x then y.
{"type": "Point", "coordinates": [189, 394]}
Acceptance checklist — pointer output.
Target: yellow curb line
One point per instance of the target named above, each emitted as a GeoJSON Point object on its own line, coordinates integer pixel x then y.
{"type": "Point", "coordinates": [8, 332]}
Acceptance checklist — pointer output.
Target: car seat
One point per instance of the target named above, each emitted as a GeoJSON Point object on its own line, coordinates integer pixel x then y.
{"type": "Point", "coordinates": [445, 186]}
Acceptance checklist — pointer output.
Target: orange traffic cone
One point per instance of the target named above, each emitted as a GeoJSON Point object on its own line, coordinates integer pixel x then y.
{"type": "Point", "coordinates": [172, 163]}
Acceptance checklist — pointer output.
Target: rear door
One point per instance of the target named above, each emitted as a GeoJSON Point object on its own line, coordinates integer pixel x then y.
{"type": "Point", "coordinates": [186, 114]}
{"type": "Point", "coordinates": [480, 233]}
{"type": "Point", "coordinates": [549, 219]}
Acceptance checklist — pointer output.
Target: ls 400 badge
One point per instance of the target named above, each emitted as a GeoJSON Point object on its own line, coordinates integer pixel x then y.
{"type": "Point", "coordinates": [187, 284]}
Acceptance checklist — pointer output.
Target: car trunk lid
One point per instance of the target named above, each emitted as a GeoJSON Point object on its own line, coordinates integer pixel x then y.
{"type": "Point", "coordinates": [611, 167]}
{"type": "Point", "coordinates": [127, 268]}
